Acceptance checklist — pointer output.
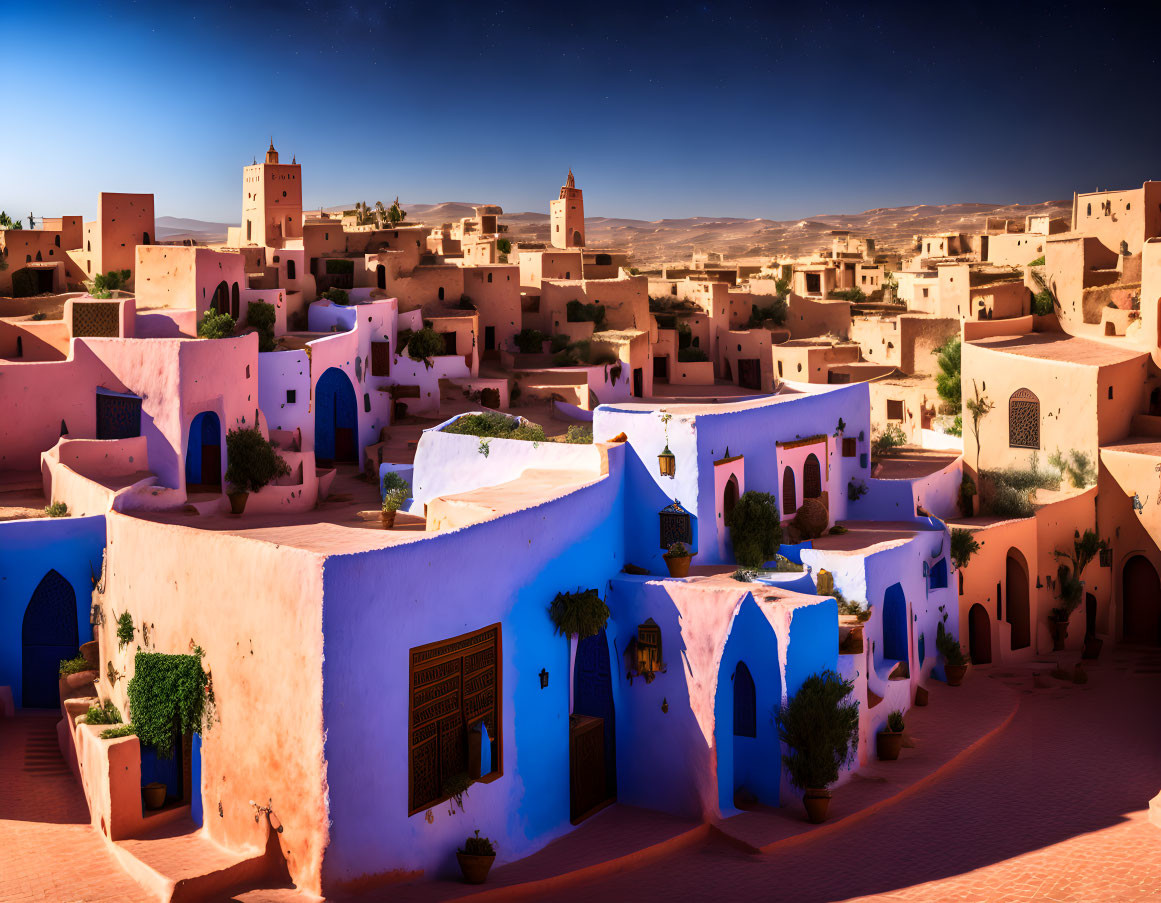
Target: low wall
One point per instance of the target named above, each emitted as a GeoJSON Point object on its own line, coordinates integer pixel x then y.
{"type": "Point", "coordinates": [693, 373]}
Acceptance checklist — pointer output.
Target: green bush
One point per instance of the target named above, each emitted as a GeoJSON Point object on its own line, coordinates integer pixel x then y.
{"type": "Point", "coordinates": [1043, 303]}
{"type": "Point", "coordinates": [425, 344]}
{"type": "Point", "coordinates": [947, 380]}
{"type": "Point", "coordinates": [580, 614]}
{"type": "Point", "coordinates": [1038, 262]}
{"type": "Point", "coordinates": [821, 728]}
{"type": "Point", "coordinates": [895, 722]}
{"type": "Point", "coordinates": [963, 546]}
{"type": "Point", "coordinates": [261, 316]}
{"type": "Point", "coordinates": [691, 355]}
{"type": "Point", "coordinates": [339, 266]}
{"type": "Point", "coordinates": [504, 246]}
{"type": "Point", "coordinates": [850, 606]}
{"type": "Point", "coordinates": [103, 714]}
{"type": "Point", "coordinates": [121, 730]}
{"type": "Point", "coordinates": [396, 491]}
{"type": "Point", "coordinates": [336, 296]}
{"type": "Point", "coordinates": [529, 341]}
{"type": "Point", "coordinates": [887, 441]}
{"type": "Point", "coordinates": [494, 425]}
{"type": "Point", "coordinates": [579, 435]}
{"type": "Point", "coordinates": [1077, 466]}
{"type": "Point", "coordinates": [125, 630]}
{"type": "Point", "coordinates": [104, 284]}
{"type": "Point", "coordinates": [252, 461]}
{"type": "Point", "coordinates": [1012, 488]}
{"type": "Point", "coordinates": [586, 313]}
{"type": "Point", "coordinates": [57, 509]}
{"type": "Point", "coordinates": [948, 646]}
{"type": "Point", "coordinates": [74, 666]}
{"type": "Point", "coordinates": [215, 326]}
{"type": "Point", "coordinates": [559, 342]}
{"type": "Point", "coordinates": [573, 356]}
{"type": "Point", "coordinates": [755, 529]}
{"type": "Point", "coordinates": [777, 311]}
{"type": "Point", "coordinates": [168, 697]}
{"type": "Point", "coordinates": [854, 295]}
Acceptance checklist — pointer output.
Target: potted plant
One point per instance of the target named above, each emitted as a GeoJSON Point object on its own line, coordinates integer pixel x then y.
{"type": "Point", "coordinates": [677, 559]}
{"type": "Point", "coordinates": [253, 463]}
{"type": "Point", "coordinates": [821, 729]}
{"type": "Point", "coordinates": [954, 661]}
{"type": "Point", "coordinates": [396, 491]}
{"type": "Point", "coordinates": [889, 741]}
{"type": "Point", "coordinates": [1069, 585]}
{"type": "Point", "coordinates": [476, 858]}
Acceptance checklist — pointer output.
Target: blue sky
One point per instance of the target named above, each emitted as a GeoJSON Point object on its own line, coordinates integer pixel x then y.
{"type": "Point", "coordinates": [776, 110]}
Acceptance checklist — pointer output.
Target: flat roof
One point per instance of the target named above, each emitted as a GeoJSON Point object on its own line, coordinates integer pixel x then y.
{"type": "Point", "coordinates": [1058, 346]}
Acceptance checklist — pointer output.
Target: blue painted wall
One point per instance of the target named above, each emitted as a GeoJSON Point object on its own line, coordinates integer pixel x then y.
{"type": "Point", "coordinates": [29, 549]}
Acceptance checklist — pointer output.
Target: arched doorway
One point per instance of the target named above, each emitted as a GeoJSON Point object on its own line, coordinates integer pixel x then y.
{"type": "Point", "coordinates": [203, 454]}
{"type": "Point", "coordinates": [1140, 602]}
{"type": "Point", "coordinates": [789, 501]}
{"type": "Point", "coordinates": [811, 478]}
{"type": "Point", "coordinates": [335, 418]}
{"type": "Point", "coordinates": [749, 688]}
{"type": "Point", "coordinates": [1016, 587]}
{"type": "Point", "coordinates": [381, 276]}
{"type": "Point", "coordinates": [979, 635]}
{"type": "Point", "coordinates": [593, 759]}
{"type": "Point", "coordinates": [220, 303]}
{"type": "Point", "coordinates": [729, 499]}
{"type": "Point", "coordinates": [895, 624]}
{"type": "Point", "coordinates": [578, 240]}
{"type": "Point", "coordinates": [48, 636]}
{"type": "Point", "coordinates": [235, 305]}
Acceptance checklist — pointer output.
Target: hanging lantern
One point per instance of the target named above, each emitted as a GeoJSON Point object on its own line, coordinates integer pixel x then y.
{"type": "Point", "coordinates": [667, 463]}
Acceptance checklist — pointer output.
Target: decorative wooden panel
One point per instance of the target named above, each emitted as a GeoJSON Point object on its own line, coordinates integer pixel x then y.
{"type": "Point", "coordinates": [96, 319]}
{"type": "Point", "coordinates": [589, 787]}
{"type": "Point", "coordinates": [453, 685]}
{"type": "Point", "coordinates": [1023, 420]}
{"type": "Point", "coordinates": [380, 358]}
{"type": "Point", "coordinates": [849, 448]}
{"type": "Point", "coordinates": [675, 525]}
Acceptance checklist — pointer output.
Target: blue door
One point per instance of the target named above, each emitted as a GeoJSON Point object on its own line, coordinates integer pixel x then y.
{"type": "Point", "coordinates": [593, 695]}
{"type": "Point", "coordinates": [335, 418]}
{"type": "Point", "coordinates": [49, 635]}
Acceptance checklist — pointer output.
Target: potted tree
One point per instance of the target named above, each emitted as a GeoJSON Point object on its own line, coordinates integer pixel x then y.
{"type": "Point", "coordinates": [755, 529]}
{"type": "Point", "coordinates": [954, 661]}
{"type": "Point", "coordinates": [476, 859]}
{"type": "Point", "coordinates": [396, 491]}
{"type": "Point", "coordinates": [253, 463]}
{"type": "Point", "coordinates": [821, 728]}
{"type": "Point", "coordinates": [677, 559]}
{"type": "Point", "coordinates": [889, 741]}
{"type": "Point", "coordinates": [1069, 585]}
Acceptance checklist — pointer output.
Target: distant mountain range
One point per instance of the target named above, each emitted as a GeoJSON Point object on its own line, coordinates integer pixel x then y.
{"type": "Point", "coordinates": [672, 240]}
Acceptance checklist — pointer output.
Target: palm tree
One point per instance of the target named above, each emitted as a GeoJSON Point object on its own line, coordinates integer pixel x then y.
{"type": "Point", "coordinates": [380, 214]}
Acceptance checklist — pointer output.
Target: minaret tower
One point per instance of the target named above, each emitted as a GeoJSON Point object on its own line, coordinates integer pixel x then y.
{"type": "Point", "coordinates": [568, 216]}
{"type": "Point", "coordinates": [271, 201]}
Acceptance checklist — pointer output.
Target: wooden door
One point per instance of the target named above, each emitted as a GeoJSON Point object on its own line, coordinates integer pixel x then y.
{"type": "Point", "coordinates": [750, 373]}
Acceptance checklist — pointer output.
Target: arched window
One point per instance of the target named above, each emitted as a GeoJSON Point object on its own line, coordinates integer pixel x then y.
{"type": "Point", "coordinates": [789, 500]}
{"type": "Point", "coordinates": [811, 478]}
{"type": "Point", "coordinates": [57, 240]}
{"type": "Point", "coordinates": [144, 238]}
{"type": "Point", "coordinates": [441, 293]}
{"type": "Point", "coordinates": [729, 499]}
{"type": "Point", "coordinates": [1023, 420]}
{"type": "Point", "coordinates": [290, 270]}
{"type": "Point", "coordinates": [745, 703]}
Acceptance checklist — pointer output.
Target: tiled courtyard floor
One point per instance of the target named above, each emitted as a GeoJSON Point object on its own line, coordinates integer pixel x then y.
{"type": "Point", "coordinates": [1052, 808]}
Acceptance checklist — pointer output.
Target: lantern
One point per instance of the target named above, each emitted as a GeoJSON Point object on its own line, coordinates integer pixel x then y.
{"type": "Point", "coordinates": [667, 463]}
{"type": "Point", "coordinates": [675, 525]}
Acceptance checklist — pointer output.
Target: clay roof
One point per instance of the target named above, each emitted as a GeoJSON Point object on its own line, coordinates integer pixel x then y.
{"type": "Point", "coordinates": [1056, 346]}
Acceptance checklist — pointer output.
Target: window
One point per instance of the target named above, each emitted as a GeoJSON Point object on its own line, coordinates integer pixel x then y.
{"type": "Point", "coordinates": [1089, 211]}
{"type": "Point", "coordinates": [1110, 393]}
{"type": "Point", "coordinates": [57, 240]}
{"type": "Point", "coordinates": [745, 703]}
{"type": "Point", "coordinates": [291, 395]}
{"type": "Point", "coordinates": [894, 409]}
{"type": "Point", "coordinates": [811, 478]}
{"type": "Point", "coordinates": [489, 277]}
{"type": "Point", "coordinates": [290, 269]}
{"type": "Point", "coordinates": [1023, 420]}
{"type": "Point", "coordinates": [925, 293]}
{"type": "Point", "coordinates": [454, 689]}
{"type": "Point", "coordinates": [441, 293]}
{"type": "Point", "coordinates": [849, 449]}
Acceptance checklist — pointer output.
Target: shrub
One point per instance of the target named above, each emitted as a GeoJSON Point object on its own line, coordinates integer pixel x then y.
{"type": "Point", "coordinates": [948, 646]}
{"type": "Point", "coordinates": [336, 296]}
{"type": "Point", "coordinates": [477, 845]}
{"type": "Point", "coordinates": [956, 427]}
{"type": "Point", "coordinates": [1070, 572]}
{"type": "Point", "coordinates": [494, 425]}
{"type": "Point", "coordinates": [1043, 303]}
{"type": "Point", "coordinates": [691, 355]}
{"type": "Point", "coordinates": [215, 325]}
{"type": "Point", "coordinates": [967, 490]}
{"type": "Point", "coordinates": [850, 606]}
{"type": "Point", "coordinates": [884, 443]}
{"type": "Point", "coordinates": [253, 461]}
{"type": "Point", "coordinates": [40, 315]}
{"type": "Point", "coordinates": [1038, 262]}
{"type": "Point", "coordinates": [1012, 488]}
{"type": "Point", "coordinates": [504, 246]}
{"type": "Point", "coordinates": [424, 345]}
{"type": "Point", "coordinates": [57, 509]}
{"type": "Point", "coordinates": [121, 730]}
{"type": "Point", "coordinates": [103, 714]}
{"type": "Point", "coordinates": [339, 266]}
{"type": "Point", "coordinates": [1077, 466]}
{"type": "Point", "coordinates": [855, 295]}
{"type": "Point", "coordinates": [677, 550]}
{"type": "Point", "coordinates": [396, 491]}
{"type": "Point", "coordinates": [963, 546]}
{"type": "Point", "coordinates": [74, 666]}
{"type": "Point", "coordinates": [821, 729]}
{"type": "Point", "coordinates": [125, 630]}
{"type": "Point", "coordinates": [775, 311]}
{"type": "Point", "coordinates": [578, 312]}
{"type": "Point", "coordinates": [104, 284]}
{"type": "Point", "coordinates": [168, 697]}
{"type": "Point", "coordinates": [529, 341]}
{"type": "Point", "coordinates": [579, 435]}
{"type": "Point", "coordinates": [580, 614]}
{"type": "Point", "coordinates": [895, 722]}
{"type": "Point", "coordinates": [782, 564]}
{"type": "Point", "coordinates": [755, 528]}
{"type": "Point", "coordinates": [947, 381]}
{"type": "Point", "coordinates": [856, 489]}
{"type": "Point", "coordinates": [559, 342]}
{"type": "Point", "coordinates": [261, 316]}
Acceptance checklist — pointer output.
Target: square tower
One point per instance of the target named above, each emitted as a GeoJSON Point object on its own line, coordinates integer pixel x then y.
{"type": "Point", "coordinates": [568, 216]}
{"type": "Point", "coordinates": [271, 201]}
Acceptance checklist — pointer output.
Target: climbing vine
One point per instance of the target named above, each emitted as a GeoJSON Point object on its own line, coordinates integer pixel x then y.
{"type": "Point", "coordinates": [124, 630]}
{"type": "Point", "coordinates": [169, 695]}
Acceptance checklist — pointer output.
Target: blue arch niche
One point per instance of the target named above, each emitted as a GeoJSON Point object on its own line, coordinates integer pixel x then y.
{"type": "Point", "coordinates": [895, 624]}
{"type": "Point", "coordinates": [203, 453]}
{"type": "Point", "coordinates": [336, 424]}
{"type": "Point", "coordinates": [48, 635]}
{"type": "Point", "coordinates": [750, 762]}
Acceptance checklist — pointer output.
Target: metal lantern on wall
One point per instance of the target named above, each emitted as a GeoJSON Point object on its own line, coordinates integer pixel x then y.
{"type": "Point", "coordinates": [667, 463]}
{"type": "Point", "coordinates": [675, 524]}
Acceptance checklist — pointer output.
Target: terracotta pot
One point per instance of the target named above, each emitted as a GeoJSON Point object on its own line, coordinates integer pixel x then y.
{"type": "Point", "coordinates": [955, 674]}
{"type": "Point", "coordinates": [817, 802]}
{"type": "Point", "coordinates": [888, 745]}
{"type": "Point", "coordinates": [921, 696]}
{"type": "Point", "coordinates": [78, 679]}
{"type": "Point", "coordinates": [388, 519]}
{"type": "Point", "coordinates": [238, 502]}
{"type": "Point", "coordinates": [1092, 647]}
{"type": "Point", "coordinates": [475, 868]}
{"type": "Point", "coordinates": [1059, 631]}
{"type": "Point", "coordinates": [91, 651]}
{"type": "Point", "coordinates": [154, 795]}
{"type": "Point", "coordinates": [678, 567]}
